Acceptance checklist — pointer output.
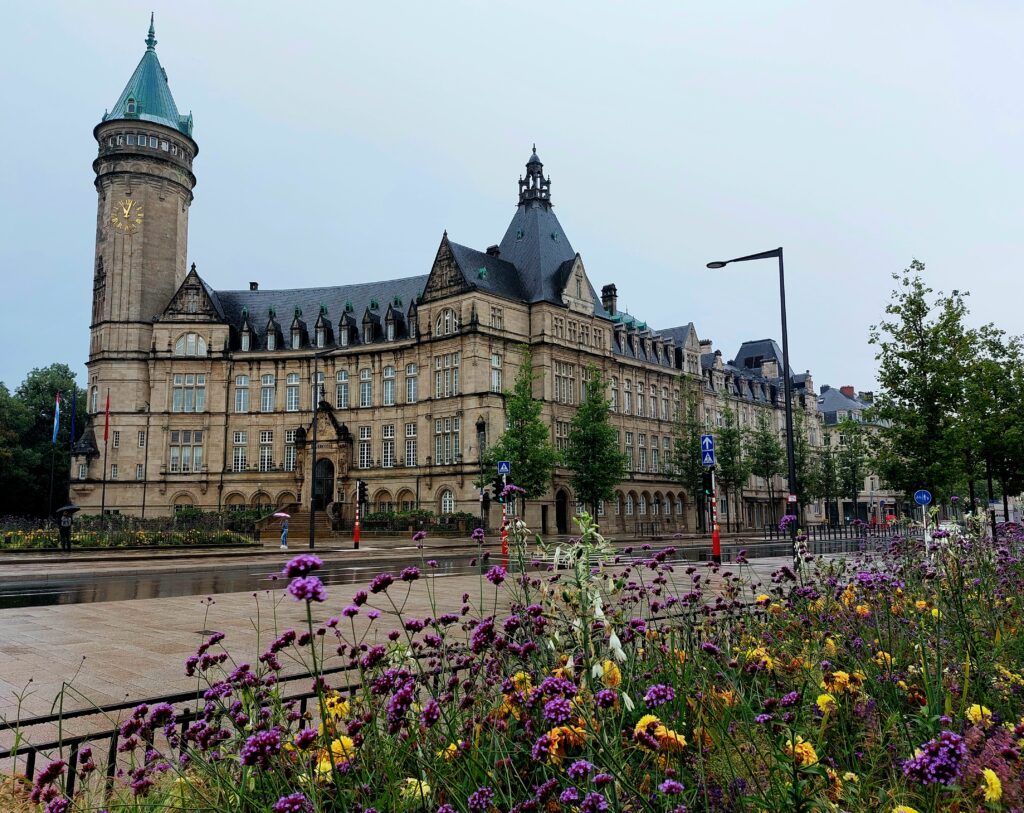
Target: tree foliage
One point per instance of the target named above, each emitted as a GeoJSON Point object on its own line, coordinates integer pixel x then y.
{"type": "Point", "coordinates": [767, 457]}
{"type": "Point", "coordinates": [824, 482]}
{"type": "Point", "coordinates": [686, 466]}
{"type": "Point", "coordinates": [593, 454]}
{"type": "Point", "coordinates": [733, 468]}
{"type": "Point", "coordinates": [851, 460]}
{"type": "Point", "coordinates": [526, 442]}
{"type": "Point", "coordinates": [26, 432]}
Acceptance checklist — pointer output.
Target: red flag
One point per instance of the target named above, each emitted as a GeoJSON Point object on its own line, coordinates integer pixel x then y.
{"type": "Point", "coordinates": [106, 420]}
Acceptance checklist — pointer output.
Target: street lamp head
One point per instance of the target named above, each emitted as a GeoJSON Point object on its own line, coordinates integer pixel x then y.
{"type": "Point", "coordinates": [717, 264]}
{"type": "Point", "coordinates": [481, 426]}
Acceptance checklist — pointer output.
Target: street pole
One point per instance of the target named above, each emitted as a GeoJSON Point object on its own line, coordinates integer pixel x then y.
{"type": "Point", "coordinates": [312, 479]}
{"type": "Point", "coordinates": [716, 538]}
{"type": "Point", "coordinates": [481, 438]}
{"type": "Point", "coordinates": [786, 380]}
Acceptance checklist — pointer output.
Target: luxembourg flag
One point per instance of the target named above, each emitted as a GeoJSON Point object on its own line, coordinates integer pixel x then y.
{"type": "Point", "coordinates": [56, 417]}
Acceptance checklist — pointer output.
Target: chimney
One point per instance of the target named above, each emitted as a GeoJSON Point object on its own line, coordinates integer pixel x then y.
{"type": "Point", "coordinates": [254, 286]}
{"type": "Point", "coordinates": [493, 251]}
{"type": "Point", "coordinates": [825, 388]}
{"type": "Point", "coordinates": [609, 298]}
{"type": "Point", "coordinates": [848, 391]}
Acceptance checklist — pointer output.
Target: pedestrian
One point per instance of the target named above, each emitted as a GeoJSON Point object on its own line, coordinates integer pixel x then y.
{"type": "Point", "coordinates": [65, 532]}
{"type": "Point", "coordinates": [284, 534]}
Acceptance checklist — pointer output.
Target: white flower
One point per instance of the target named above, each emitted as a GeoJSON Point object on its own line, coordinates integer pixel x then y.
{"type": "Point", "coordinates": [598, 609]}
{"type": "Point", "coordinates": [627, 702]}
{"type": "Point", "coordinates": [597, 670]}
{"type": "Point", "coordinates": [615, 645]}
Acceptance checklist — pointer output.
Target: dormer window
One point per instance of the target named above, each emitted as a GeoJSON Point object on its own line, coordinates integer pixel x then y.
{"type": "Point", "coordinates": [412, 326]}
{"type": "Point", "coordinates": [391, 331]}
{"type": "Point", "coordinates": [246, 339]}
{"type": "Point", "coordinates": [579, 286]}
{"type": "Point", "coordinates": [296, 338]}
{"type": "Point", "coordinates": [271, 341]}
{"type": "Point", "coordinates": [131, 106]}
{"type": "Point", "coordinates": [343, 336]}
{"type": "Point", "coordinates": [447, 323]}
{"type": "Point", "coordinates": [320, 337]}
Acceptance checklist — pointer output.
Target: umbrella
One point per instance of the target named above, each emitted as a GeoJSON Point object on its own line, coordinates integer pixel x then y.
{"type": "Point", "coordinates": [282, 515]}
{"type": "Point", "coordinates": [70, 508]}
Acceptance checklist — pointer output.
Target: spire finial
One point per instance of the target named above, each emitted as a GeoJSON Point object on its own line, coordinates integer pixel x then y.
{"type": "Point", "coordinates": [151, 39]}
{"type": "Point", "coordinates": [535, 187]}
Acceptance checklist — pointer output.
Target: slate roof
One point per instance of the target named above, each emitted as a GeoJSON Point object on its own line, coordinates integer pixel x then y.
{"type": "Point", "coordinates": [309, 300]}
{"type": "Point", "coordinates": [536, 245]}
{"type": "Point", "coordinates": [500, 277]}
{"type": "Point", "coordinates": [678, 334]}
{"type": "Point", "coordinates": [752, 353]}
{"type": "Point", "coordinates": [148, 87]}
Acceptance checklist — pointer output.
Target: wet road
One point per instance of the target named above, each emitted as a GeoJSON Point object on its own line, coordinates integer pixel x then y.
{"type": "Point", "coordinates": [194, 578]}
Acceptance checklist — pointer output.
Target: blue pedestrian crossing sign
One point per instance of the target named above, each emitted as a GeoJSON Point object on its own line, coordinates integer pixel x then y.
{"type": "Point", "coordinates": [707, 450]}
{"type": "Point", "coordinates": [922, 496]}
{"type": "Point", "coordinates": [504, 467]}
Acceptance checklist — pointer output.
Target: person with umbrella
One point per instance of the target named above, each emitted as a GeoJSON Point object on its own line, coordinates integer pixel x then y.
{"type": "Point", "coordinates": [284, 528]}
{"type": "Point", "coordinates": [64, 522]}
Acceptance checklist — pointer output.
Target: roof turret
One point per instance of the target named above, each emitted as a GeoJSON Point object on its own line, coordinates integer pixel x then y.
{"type": "Point", "coordinates": [147, 96]}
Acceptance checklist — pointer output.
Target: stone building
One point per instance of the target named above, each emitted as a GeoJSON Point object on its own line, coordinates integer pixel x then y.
{"type": "Point", "coordinates": [213, 394]}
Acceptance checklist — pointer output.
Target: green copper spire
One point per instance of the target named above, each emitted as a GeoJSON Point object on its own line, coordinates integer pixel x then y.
{"type": "Point", "coordinates": [151, 39]}
{"type": "Point", "coordinates": [147, 96]}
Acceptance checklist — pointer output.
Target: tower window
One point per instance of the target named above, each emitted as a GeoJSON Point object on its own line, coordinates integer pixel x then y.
{"type": "Point", "coordinates": [152, 142]}
{"type": "Point", "coordinates": [131, 139]}
{"type": "Point", "coordinates": [164, 146]}
{"type": "Point", "coordinates": [131, 105]}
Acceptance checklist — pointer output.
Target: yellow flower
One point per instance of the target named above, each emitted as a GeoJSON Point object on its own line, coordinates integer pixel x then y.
{"type": "Point", "coordinates": [826, 703]}
{"type": "Point", "coordinates": [903, 809]}
{"type": "Point", "coordinates": [343, 748]}
{"type": "Point", "coordinates": [883, 659]}
{"type": "Point", "coordinates": [936, 613]}
{"type": "Point", "coordinates": [521, 681]}
{"type": "Point", "coordinates": [669, 739]}
{"type": "Point", "coordinates": [644, 723]}
{"type": "Point", "coordinates": [449, 752]}
{"type": "Point", "coordinates": [848, 595]}
{"type": "Point", "coordinates": [802, 752]}
{"type": "Point", "coordinates": [413, 793]}
{"type": "Point", "coordinates": [830, 648]}
{"type": "Point", "coordinates": [837, 683]}
{"type": "Point", "coordinates": [921, 605]}
{"type": "Point", "coordinates": [764, 598]}
{"type": "Point", "coordinates": [610, 676]}
{"type": "Point", "coordinates": [979, 715]}
{"type": "Point", "coordinates": [759, 655]}
{"type": "Point", "coordinates": [993, 787]}
{"type": "Point", "coordinates": [862, 610]}
{"type": "Point", "coordinates": [850, 776]}
{"type": "Point", "coordinates": [336, 706]}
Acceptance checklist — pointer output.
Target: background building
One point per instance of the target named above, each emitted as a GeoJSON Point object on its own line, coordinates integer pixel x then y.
{"type": "Point", "coordinates": [215, 396]}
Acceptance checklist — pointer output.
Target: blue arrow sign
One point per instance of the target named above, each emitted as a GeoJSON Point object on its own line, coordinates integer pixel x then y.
{"type": "Point", "coordinates": [504, 467]}
{"type": "Point", "coordinates": [922, 496]}
{"type": "Point", "coordinates": [707, 443]}
{"type": "Point", "coordinates": [707, 459]}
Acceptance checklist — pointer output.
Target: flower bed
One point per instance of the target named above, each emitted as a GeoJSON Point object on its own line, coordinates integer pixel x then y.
{"type": "Point", "coordinates": [50, 538]}
{"type": "Point", "coordinates": [891, 684]}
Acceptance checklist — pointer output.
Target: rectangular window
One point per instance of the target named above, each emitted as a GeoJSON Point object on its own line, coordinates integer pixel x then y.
{"type": "Point", "coordinates": [410, 444]}
{"type": "Point", "coordinates": [562, 435]}
{"type": "Point", "coordinates": [496, 384]}
{"type": "Point", "coordinates": [291, 395]}
{"type": "Point", "coordinates": [341, 391]}
{"type": "Point", "coordinates": [131, 138]}
{"type": "Point", "coordinates": [188, 392]}
{"type": "Point", "coordinates": [240, 456]}
{"type": "Point", "coordinates": [573, 331]}
{"type": "Point", "coordinates": [388, 448]}
{"type": "Point", "coordinates": [655, 456]}
{"type": "Point", "coordinates": [140, 472]}
{"type": "Point", "coordinates": [116, 439]}
{"type": "Point", "coordinates": [389, 386]}
{"type": "Point", "coordinates": [165, 146]}
{"type": "Point", "coordinates": [142, 440]}
{"type": "Point", "coordinates": [447, 448]}
{"type": "Point", "coordinates": [558, 324]}
{"type": "Point", "coordinates": [267, 391]}
{"type": "Point", "coordinates": [629, 452]}
{"type": "Point", "coordinates": [639, 400]}
{"type": "Point", "coordinates": [497, 318]}
{"type": "Point", "coordinates": [365, 448]}
{"type": "Point", "coordinates": [152, 142]}
{"type": "Point", "coordinates": [446, 375]}
{"type": "Point", "coordinates": [83, 471]}
{"type": "Point", "coordinates": [289, 450]}
{"type": "Point", "coordinates": [113, 471]}
{"type": "Point", "coordinates": [266, 450]}
{"type": "Point", "coordinates": [565, 383]}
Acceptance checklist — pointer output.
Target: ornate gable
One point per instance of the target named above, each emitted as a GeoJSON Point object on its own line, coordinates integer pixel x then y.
{"type": "Point", "coordinates": [574, 287]}
{"type": "Point", "coordinates": [192, 302]}
{"type": "Point", "coordinates": [446, 278]}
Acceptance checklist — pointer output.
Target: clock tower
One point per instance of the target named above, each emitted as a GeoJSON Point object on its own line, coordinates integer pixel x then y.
{"type": "Point", "coordinates": [144, 185]}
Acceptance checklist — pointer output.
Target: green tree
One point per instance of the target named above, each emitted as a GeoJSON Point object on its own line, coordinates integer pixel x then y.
{"type": "Point", "coordinates": [26, 448]}
{"type": "Point", "coordinates": [767, 457]}
{"type": "Point", "coordinates": [593, 454]}
{"type": "Point", "coordinates": [851, 461]}
{"type": "Point", "coordinates": [824, 482]}
{"type": "Point", "coordinates": [733, 468]}
{"type": "Point", "coordinates": [803, 459]}
{"type": "Point", "coordinates": [685, 463]}
{"type": "Point", "coordinates": [526, 442]}
{"type": "Point", "coordinates": [922, 349]}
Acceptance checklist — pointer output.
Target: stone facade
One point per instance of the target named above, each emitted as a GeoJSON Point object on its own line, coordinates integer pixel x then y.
{"type": "Point", "coordinates": [212, 392]}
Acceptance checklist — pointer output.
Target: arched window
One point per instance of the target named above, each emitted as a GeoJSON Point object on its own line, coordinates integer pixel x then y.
{"type": "Point", "coordinates": [642, 505]}
{"type": "Point", "coordinates": [447, 502]}
{"type": "Point", "coordinates": [629, 505]}
{"type": "Point", "coordinates": [241, 393]}
{"type": "Point", "coordinates": [614, 404]}
{"type": "Point", "coordinates": [316, 392]}
{"type": "Point", "coordinates": [190, 344]}
{"type": "Point", "coordinates": [291, 395]}
{"type": "Point", "coordinates": [627, 397]}
{"type": "Point", "coordinates": [389, 386]}
{"type": "Point", "coordinates": [341, 399]}
{"type": "Point", "coordinates": [365, 387]}
{"type": "Point", "coordinates": [447, 323]}
{"type": "Point", "coordinates": [267, 393]}
{"type": "Point", "coordinates": [410, 384]}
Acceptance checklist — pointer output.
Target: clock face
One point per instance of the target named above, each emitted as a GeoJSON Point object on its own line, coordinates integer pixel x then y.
{"type": "Point", "coordinates": [127, 216]}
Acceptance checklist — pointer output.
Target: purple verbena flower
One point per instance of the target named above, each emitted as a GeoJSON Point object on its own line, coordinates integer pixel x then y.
{"type": "Point", "coordinates": [302, 565]}
{"type": "Point", "coordinates": [658, 695]}
{"type": "Point", "coordinates": [307, 588]}
{"type": "Point", "coordinates": [479, 800]}
{"type": "Point", "coordinates": [292, 803]}
{"type": "Point", "coordinates": [381, 582]}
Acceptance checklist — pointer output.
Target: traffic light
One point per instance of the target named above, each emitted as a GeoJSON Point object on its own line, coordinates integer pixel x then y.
{"type": "Point", "coordinates": [485, 500]}
{"type": "Point", "coordinates": [361, 492]}
{"type": "Point", "coordinates": [498, 486]}
{"type": "Point", "coordinates": [707, 483]}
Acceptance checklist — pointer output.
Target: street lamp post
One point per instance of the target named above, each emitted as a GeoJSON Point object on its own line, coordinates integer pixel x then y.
{"type": "Point", "coordinates": [481, 439]}
{"type": "Point", "coordinates": [317, 397]}
{"type": "Point", "coordinates": [786, 380]}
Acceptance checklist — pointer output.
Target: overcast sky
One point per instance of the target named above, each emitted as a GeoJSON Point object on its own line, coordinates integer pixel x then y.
{"type": "Point", "coordinates": [337, 142]}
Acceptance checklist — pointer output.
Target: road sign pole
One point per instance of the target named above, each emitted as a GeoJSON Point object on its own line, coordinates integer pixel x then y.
{"type": "Point", "coordinates": [716, 539]}
{"type": "Point", "coordinates": [504, 521]}
{"type": "Point", "coordinates": [355, 530]}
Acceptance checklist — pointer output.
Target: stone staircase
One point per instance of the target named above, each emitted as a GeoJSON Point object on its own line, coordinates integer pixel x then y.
{"type": "Point", "coordinates": [298, 528]}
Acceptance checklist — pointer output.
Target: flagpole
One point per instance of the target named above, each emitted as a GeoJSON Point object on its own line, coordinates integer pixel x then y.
{"type": "Point", "coordinates": [71, 437]}
{"type": "Point", "coordinates": [53, 447]}
{"type": "Point", "coordinates": [106, 433]}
